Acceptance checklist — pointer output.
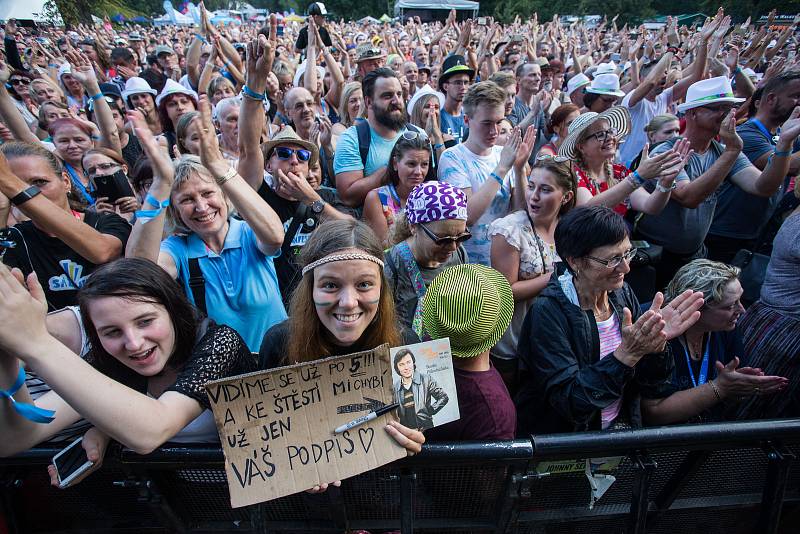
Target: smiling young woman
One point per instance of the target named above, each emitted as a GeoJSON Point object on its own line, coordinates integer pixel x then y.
{"type": "Point", "coordinates": [143, 380]}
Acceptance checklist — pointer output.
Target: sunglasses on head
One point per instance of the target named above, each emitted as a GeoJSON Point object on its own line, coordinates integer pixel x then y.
{"type": "Point", "coordinates": [440, 241]}
{"type": "Point", "coordinates": [285, 153]}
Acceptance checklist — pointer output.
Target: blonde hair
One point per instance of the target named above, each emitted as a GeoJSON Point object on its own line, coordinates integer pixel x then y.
{"type": "Point", "coordinates": [657, 122]}
{"type": "Point", "coordinates": [710, 277]}
{"type": "Point", "coordinates": [187, 167]}
{"type": "Point", "coordinates": [344, 113]}
{"type": "Point", "coordinates": [488, 93]}
{"type": "Point", "coordinates": [419, 106]}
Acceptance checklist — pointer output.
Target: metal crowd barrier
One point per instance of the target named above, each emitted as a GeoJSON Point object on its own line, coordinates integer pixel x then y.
{"type": "Point", "coordinates": [715, 478]}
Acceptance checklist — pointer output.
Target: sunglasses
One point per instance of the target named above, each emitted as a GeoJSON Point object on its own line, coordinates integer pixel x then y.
{"type": "Point", "coordinates": [18, 81]}
{"type": "Point", "coordinates": [370, 53]}
{"type": "Point", "coordinates": [285, 153]}
{"type": "Point", "coordinates": [440, 241]}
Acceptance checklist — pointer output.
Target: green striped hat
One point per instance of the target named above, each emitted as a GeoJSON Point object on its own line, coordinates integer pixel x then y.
{"type": "Point", "coordinates": [472, 305]}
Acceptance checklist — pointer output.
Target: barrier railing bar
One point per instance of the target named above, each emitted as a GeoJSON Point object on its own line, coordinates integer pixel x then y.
{"type": "Point", "coordinates": [507, 501]}
{"type": "Point", "coordinates": [637, 518]}
{"type": "Point", "coordinates": [679, 479]}
{"type": "Point", "coordinates": [779, 461]}
{"type": "Point", "coordinates": [706, 436]}
{"type": "Point", "coordinates": [408, 482]}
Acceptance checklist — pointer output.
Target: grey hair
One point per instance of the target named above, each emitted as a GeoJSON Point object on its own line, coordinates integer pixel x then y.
{"type": "Point", "coordinates": [224, 104]}
{"type": "Point", "coordinates": [187, 167]}
{"type": "Point", "coordinates": [710, 277]}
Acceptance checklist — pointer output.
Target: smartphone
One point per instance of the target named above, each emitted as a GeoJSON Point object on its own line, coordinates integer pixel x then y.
{"type": "Point", "coordinates": [280, 30]}
{"type": "Point", "coordinates": [481, 21]}
{"type": "Point", "coordinates": [615, 57]}
{"type": "Point", "coordinates": [71, 463]}
{"type": "Point", "coordinates": [114, 186]}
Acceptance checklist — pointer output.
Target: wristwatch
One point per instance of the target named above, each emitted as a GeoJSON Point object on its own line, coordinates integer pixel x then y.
{"type": "Point", "coordinates": [25, 195]}
{"type": "Point", "coordinates": [317, 206]}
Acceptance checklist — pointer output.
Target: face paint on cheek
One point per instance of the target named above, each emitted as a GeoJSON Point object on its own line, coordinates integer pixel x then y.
{"type": "Point", "coordinates": [377, 300]}
{"type": "Point", "coordinates": [319, 304]}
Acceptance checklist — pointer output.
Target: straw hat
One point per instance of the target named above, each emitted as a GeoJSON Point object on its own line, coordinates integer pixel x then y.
{"type": "Point", "coordinates": [472, 305]}
{"type": "Point", "coordinates": [618, 118]}
{"type": "Point", "coordinates": [287, 136]}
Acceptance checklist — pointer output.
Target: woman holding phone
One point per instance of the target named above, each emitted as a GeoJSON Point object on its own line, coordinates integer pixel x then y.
{"type": "Point", "coordinates": [109, 173]}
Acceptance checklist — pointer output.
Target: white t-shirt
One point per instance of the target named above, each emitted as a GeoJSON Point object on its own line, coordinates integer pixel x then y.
{"type": "Point", "coordinates": [641, 114]}
{"type": "Point", "coordinates": [462, 168]}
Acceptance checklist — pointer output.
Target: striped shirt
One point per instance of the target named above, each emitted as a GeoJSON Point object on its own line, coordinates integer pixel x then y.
{"type": "Point", "coordinates": [610, 339]}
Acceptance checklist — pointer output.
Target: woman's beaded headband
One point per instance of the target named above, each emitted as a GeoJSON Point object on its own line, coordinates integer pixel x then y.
{"type": "Point", "coordinates": [342, 257]}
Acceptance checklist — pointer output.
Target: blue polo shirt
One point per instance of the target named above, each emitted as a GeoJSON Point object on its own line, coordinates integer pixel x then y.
{"type": "Point", "coordinates": [241, 283]}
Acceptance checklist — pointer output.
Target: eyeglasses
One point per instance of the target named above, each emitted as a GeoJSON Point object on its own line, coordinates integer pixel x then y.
{"type": "Point", "coordinates": [92, 171]}
{"type": "Point", "coordinates": [446, 240]}
{"type": "Point", "coordinates": [18, 81]}
{"type": "Point", "coordinates": [602, 135]}
{"type": "Point", "coordinates": [285, 153]}
{"type": "Point", "coordinates": [459, 83]}
{"type": "Point", "coordinates": [615, 262]}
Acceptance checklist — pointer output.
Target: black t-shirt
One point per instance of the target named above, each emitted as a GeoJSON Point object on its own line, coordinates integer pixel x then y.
{"type": "Point", "coordinates": [302, 37]}
{"type": "Point", "coordinates": [286, 266]}
{"type": "Point", "coordinates": [274, 346]}
{"type": "Point", "coordinates": [60, 269]}
{"type": "Point", "coordinates": [132, 152]}
{"type": "Point", "coordinates": [219, 352]}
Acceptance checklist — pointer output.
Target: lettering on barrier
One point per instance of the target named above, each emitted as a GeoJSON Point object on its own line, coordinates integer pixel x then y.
{"type": "Point", "coordinates": [276, 427]}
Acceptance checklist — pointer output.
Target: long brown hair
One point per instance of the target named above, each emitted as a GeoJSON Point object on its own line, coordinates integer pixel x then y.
{"type": "Point", "coordinates": [308, 338]}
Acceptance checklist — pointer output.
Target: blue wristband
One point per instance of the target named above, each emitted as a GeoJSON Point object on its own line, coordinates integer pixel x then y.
{"type": "Point", "coordinates": [28, 411]}
{"type": "Point", "coordinates": [201, 38]}
{"type": "Point", "coordinates": [782, 153]}
{"type": "Point", "coordinates": [147, 215]}
{"type": "Point", "coordinates": [437, 146]}
{"type": "Point", "coordinates": [496, 177]}
{"type": "Point", "coordinates": [638, 178]}
{"type": "Point", "coordinates": [252, 94]}
{"type": "Point", "coordinates": [96, 97]}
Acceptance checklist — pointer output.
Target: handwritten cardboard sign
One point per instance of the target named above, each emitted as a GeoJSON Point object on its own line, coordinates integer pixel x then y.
{"type": "Point", "coordinates": [276, 426]}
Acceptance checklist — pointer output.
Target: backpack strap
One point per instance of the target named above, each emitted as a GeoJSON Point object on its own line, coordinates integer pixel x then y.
{"type": "Point", "coordinates": [197, 285]}
{"type": "Point", "coordinates": [363, 131]}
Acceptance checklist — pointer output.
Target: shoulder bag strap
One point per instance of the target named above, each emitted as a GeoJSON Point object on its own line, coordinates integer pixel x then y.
{"type": "Point", "coordinates": [197, 285]}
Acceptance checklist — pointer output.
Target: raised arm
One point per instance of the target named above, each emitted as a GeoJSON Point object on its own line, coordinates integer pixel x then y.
{"type": "Point", "coordinates": [193, 59]}
{"type": "Point", "coordinates": [84, 72]}
{"type": "Point", "coordinates": [691, 193]}
{"type": "Point", "coordinates": [145, 239]}
{"type": "Point", "coordinates": [80, 237]}
{"type": "Point", "coordinates": [252, 208]}
{"type": "Point", "coordinates": [260, 55]}
{"type": "Point", "coordinates": [132, 418]}
{"type": "Point", "coordinates": [9, 112]}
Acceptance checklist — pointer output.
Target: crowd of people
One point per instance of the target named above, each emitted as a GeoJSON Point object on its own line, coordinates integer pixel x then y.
{"type": "Point", "coordinates": [579, 209]}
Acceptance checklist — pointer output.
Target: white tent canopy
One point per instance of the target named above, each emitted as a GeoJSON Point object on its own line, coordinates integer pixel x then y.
{"type": "Point", "coordinates": [25, 10]}
{"type": "Point", "coordinates": [426, 5]}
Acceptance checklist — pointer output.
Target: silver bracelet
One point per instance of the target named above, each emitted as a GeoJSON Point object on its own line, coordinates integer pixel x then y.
{"type": "Point", "coordinates": [716, 390]}
{"type": "Point", "coordinates": [666, 189]}
{"type": "Point", "coordinates": [226, 177]}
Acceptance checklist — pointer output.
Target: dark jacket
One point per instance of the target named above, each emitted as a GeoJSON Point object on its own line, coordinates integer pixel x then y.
{"type": "Point", "coordinates": [569, 384]}
{"type": "Point", "coordinates": [429, 398]}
